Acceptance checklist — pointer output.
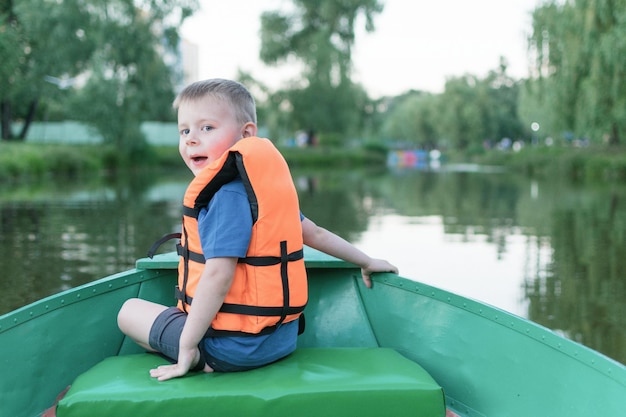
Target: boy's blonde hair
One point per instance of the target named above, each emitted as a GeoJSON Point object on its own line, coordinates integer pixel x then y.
{"type": "Point", "coordinates": [232, 92]}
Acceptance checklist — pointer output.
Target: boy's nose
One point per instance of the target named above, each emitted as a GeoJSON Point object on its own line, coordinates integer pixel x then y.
{"type": "Point", "coordinates": [192, 139]}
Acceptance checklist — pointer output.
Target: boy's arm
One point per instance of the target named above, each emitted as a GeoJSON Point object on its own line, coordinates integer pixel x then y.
{"type": "Point", "coordinates": [328, 242]}
{"type": "Point", "coordinates": [214, 284]}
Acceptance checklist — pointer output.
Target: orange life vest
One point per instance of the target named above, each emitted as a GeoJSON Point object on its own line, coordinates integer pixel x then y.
{"type": "Point", "coordinates": [269, 286]}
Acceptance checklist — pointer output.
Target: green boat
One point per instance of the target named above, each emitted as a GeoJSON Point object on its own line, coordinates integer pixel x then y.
{"type": "Point", "coordinates": [399, 348]}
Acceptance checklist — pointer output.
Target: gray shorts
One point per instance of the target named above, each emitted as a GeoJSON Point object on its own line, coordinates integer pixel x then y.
{"type": "Point", "coordinates": [165, 336]}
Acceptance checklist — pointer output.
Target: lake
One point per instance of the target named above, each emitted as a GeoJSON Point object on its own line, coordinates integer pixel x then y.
{"type": "Point", "coordinates": [547, 249]}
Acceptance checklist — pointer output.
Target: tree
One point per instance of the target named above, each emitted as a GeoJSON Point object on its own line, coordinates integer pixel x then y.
{"type": "Point", "coordinates": [117, 49]}
{"type": "Point", "coordinates": [580, 61]}
{"type": "Point", "coordinates": [413, 120]}
{"type": "Point", "coordinates": [476, 110]}
{"type": "Point", "coordinates": [10, 46]}
{"type": "Point", "coordinates": [37, 45]}
{"type": "Point", "coordinates": [468, 112]}
{"type": "Point", "coordinates": [504, 97]}
{"type": "Point", "coordinates": [320, 36]}
{"type": "Point", "coordinates": [462, 120]}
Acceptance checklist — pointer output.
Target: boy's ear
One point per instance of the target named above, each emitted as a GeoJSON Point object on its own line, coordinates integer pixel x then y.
{"type": "Point", "coordinates": [249, 130]}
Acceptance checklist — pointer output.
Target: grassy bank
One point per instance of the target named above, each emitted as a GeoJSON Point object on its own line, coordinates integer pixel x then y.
{"type": "Point", "coordinates": [576, 164]}
{"type": "Point", "coordinates": [31, 162]}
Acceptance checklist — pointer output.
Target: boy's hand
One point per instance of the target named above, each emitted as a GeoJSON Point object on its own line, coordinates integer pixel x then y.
{"type": "Point", "coordinates": [376, 265]}
{"type": "Point", "coordinates": [186, 359]}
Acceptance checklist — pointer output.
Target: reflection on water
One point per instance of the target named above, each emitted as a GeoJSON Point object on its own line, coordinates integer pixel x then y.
{"type": "Point", "coordinates": [466, 264]}
{"type": "Point", "coordinates": [540, 249]}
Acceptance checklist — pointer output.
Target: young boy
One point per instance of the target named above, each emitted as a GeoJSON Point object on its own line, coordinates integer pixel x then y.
{"type": "Point", "coordinates": [241, 246]}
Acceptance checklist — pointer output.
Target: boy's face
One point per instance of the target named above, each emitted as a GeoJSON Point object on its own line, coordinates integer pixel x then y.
{"type": "Point", "coordinates": [207, 128]}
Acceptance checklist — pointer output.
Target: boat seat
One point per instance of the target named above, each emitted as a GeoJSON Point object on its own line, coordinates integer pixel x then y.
{"type": "Point", "coordinates": [311, 381]}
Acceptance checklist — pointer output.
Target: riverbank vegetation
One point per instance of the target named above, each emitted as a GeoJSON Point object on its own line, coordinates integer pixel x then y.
{"type": "Point", "coordinates": [21, 162]}
{"type": "Point", "coordinates": [568, 116]}
{"type": "Point", "coordinates": [27, 162]}
{"type": "Point", "coordinates": [578, 165]}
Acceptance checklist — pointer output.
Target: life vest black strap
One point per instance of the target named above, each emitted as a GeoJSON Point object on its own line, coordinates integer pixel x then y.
{"type": "Point", "coordinates": [190, 212]}
{"type": "Point", "coordinates": [259, 310]}
{"type": "Point", "coordinates": [155, 245]}
{"type": "Point", "coordinates": [284, 260]}
{"type": "Point", "coordinates": [194, 256]}
{"type": "Point", "coordinates": [271, 260]}
{"type": "Point", "coordinates": [182, 296]}
{"type": "Point", "coordinates": [249, 260]}
{"type": "Point", "coordinates": [244, 309]}
{"type": "Point", "coordinates": [301, 324]}
{"type": "Point", "coordinates": [254, 203]}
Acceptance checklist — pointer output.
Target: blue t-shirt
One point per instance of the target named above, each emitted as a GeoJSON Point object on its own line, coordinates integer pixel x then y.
{"type": "Point", "coordinates": [225, 227]}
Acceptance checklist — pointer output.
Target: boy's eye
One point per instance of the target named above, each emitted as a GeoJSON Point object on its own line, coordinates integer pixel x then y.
{"type": "Point", "coordinates": [184, 132]}
{"type": "Point", "coordinates": [207, 128]}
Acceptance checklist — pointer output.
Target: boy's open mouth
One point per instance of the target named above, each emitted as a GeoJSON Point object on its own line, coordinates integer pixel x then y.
{"type": "Point", "coordinates": [198, 158]}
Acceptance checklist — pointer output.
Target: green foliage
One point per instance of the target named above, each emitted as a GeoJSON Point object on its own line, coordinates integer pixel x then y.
{"type": "Point", "coordinates": [29, 162]}
{"type": "Point", "coordinates": [167, 157]}
{"type": "Point", "coordinates": [115, 51]}
{"type": "Point", "coordinates": [10, 45]}
{"type": "Point", "coordinates": [580, 58]}
{"type": "Point", "coordinates": [413, 120]}
{"type": "Point", "coordinates": [580, 165]}
{"type": "Point", "coordinates": [376, 148]}
{"type": "Point", "coordinates": [327, 109]}
{"type": "Point", "coordinates": [576, 90]}
{"type": "Point", "coordinates": [469, 112]}
{"type": "Point", "coordinates": [20, 161]}
{"type": "Point", "coordinates": [333, 156]}
{"type": "Point", "coordinates": [319, 35]}
{"type": "Point", "coordinates": [71, 161]}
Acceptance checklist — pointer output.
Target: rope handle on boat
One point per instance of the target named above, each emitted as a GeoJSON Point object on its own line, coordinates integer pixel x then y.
{"type": "Point", "coordinates": [155, 245]}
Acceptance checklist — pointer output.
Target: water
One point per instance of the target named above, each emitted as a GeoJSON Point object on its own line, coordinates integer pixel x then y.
{"type": "Point", "coordinates": [544, 250]}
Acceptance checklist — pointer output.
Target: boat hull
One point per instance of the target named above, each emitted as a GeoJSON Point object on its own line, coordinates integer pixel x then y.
{"type": "Point", "coordinates": [489, 362]}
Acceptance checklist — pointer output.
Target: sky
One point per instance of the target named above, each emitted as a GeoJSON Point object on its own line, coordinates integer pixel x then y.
{"type": "Point", "coordinates": [417, 44]}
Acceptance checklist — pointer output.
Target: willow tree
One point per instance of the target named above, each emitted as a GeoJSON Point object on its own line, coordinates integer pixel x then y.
{"type": "Point", "coordinates": [580, 62]}
{"type": "Point", "coordinates": [319, 35]}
